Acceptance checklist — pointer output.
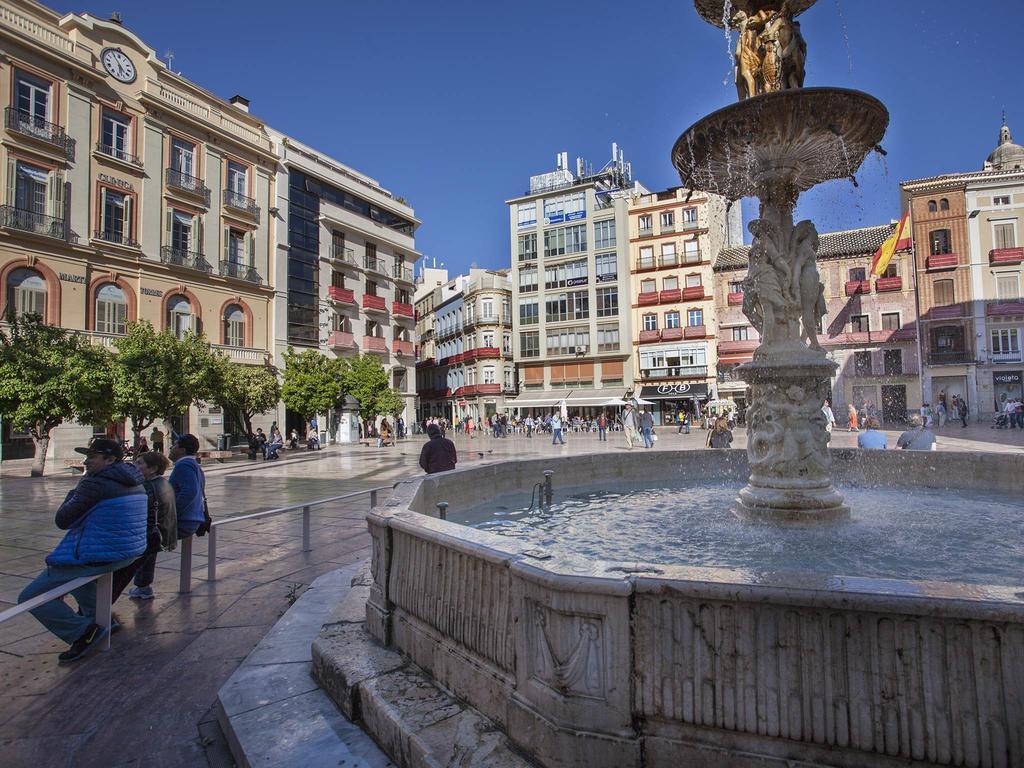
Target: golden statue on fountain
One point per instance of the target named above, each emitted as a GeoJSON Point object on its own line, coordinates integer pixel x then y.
{"type": "Point", "coordinates": [770, 51]}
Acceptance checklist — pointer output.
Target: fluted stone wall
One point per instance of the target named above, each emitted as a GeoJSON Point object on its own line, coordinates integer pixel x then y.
{"type": "Point", "coordinates": [588, 663]}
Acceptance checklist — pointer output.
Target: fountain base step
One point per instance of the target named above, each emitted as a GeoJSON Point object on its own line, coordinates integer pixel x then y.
{"type": "Point", "coordinates": [790, 505]}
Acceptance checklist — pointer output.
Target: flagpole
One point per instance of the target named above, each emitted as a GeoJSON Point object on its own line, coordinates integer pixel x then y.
{"type": "Point", "coordinates": [917, 302]}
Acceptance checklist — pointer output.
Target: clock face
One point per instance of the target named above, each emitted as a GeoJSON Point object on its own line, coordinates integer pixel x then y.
{"type": "Point", "coordinates": [117, 63]}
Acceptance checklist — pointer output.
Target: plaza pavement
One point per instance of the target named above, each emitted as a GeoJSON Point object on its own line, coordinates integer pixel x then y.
{"type": "Point", "coordinates": [148, 701]}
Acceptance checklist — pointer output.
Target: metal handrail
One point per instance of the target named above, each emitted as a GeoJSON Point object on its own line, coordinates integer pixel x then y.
{"type": "Point", "coordinates": [104, 591]}
{"type": "Point", "coordinates": [185, 574]}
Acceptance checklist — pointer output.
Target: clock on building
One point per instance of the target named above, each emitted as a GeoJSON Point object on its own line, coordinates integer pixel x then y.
{"type": "Point", "coordinates": [117, 63]}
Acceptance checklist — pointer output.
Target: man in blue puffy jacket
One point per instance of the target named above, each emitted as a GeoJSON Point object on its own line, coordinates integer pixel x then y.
{"type": "Point", "coordinates": [105, 519]}
{"type": "Point", "coordinates": [189, 484]}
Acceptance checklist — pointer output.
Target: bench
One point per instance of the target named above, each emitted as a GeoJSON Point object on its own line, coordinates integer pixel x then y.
{"type": "Point", "coordinates": [218, 455]}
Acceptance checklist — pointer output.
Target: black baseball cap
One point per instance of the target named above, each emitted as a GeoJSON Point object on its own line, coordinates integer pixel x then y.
{"type": "Point", "coordinates": [102, 446]}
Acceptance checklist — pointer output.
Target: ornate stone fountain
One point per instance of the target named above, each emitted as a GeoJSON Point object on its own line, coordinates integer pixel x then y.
{"type": "Point", "coordinates": [778, 141]}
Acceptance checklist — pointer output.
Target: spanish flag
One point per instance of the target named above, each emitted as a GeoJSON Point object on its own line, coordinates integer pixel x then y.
{"type": "Point", "coordinates": [898, 240]}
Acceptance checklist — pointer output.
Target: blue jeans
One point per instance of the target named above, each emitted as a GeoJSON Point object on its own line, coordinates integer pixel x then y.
{"type": "Point", "coordinates": [648, 442]}
{"type": "Point", "coordinates": [56, 615]}
{"type": "Point", "coordinates": [601, 434]}
{"type": "Point", "coordinates": [556, 436]}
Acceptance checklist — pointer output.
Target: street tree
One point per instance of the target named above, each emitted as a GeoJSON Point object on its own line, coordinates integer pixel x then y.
{"type": "Point", "coordinates": [367, 381]}
{"type": "Point", "coordinates": [313, 383]}
{"type": "Point", "coordinates": [243, 391]}
{"type": "Point", "coordinates": [49, 376]}
{"type": "Point", "coordinates": [157, 376]}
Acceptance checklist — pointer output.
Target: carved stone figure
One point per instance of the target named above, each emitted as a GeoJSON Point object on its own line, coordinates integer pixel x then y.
{"type": "Point", "coordinates": [748, 52]}
{"type": "Point", "coordinates": [770, 52]}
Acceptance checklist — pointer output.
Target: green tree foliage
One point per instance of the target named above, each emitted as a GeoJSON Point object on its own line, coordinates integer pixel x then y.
{"type": "Point", "coordinates": [158, 376]}
{"type": "Point", "coordinates": [47, 377]}
{"type": "Point", "coordinates": [245, 390]}
{"type": "Point", "coordinates": [367, 381]}
{"type": "Point", "coordinates": [313, 383]}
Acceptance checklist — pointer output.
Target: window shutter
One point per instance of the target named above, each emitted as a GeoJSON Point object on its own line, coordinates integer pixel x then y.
{"type": "Point", "coordinates": [227, 244]}
{"type": "Point", "coordinates": [250, 239]}
{"type": "Point", "coordinates": [128, 219]}
{"type": "Point", "coordinates": [170, 227]}
{"type": "Point", "coordinates": [197, 244]}
{"type": "Point", "coordinates": [193, 323]}
{"type": "Point", "coordinates": [57, 195]}
{"type": "Point", "coordinates": [101, 316]}
{"type": "Point", "coordinates": [12, 181]}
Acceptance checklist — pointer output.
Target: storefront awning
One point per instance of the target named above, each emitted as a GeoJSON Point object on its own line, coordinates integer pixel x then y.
{"type": "Point", "coordinates": [678, 391]}
{"type": "Point", "coordinates": [572, 397]}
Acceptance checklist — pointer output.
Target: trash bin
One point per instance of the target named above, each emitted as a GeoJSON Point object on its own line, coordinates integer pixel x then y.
{"type": "Point", "coordinates": [222, 442]}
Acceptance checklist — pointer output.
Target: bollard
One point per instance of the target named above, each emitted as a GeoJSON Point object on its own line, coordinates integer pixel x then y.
{"type": "Point", "coordinates": [211, 554]}
{"type": "Point", "coordinates": [305, 530]}
{"type": "Point", "coordinates": [185, 577]}
{"type": "Point", "coordinates": [548, 491]}
{"type": "Point", "coordinates": [373, 499]}
{"type": "Point", "coordinates": [442, 510]}
{"type": "Point", "coordinates": [104, 590]}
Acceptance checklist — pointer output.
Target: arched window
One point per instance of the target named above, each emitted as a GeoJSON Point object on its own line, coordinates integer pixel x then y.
{"type": "Point", "coordinates": [26, 293]}
{"type": "Point", "coordinates": [180, 319]}
{"type": "Point", "coordinates": [943, 204]}
{"type": "Point", "coordinates": [234, 326]}
{"type": "Point", "coordinates": [932, 207]}
{"type": "Point", "coordinates": [111, 309]}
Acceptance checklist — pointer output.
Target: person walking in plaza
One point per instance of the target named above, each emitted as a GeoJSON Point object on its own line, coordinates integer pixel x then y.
{"type": "Point", "coordinates": [156, 438]}
{"type": "Point", "coordinates": [680, 420]}
{"type": "Point", "coordinates": [917, 438]}
{"type": "Point", "coordinates": [720, 435]}
{"type": "Point", "coordinates": [162, 520]}
{"type": "Point", "coordinates": [105, 519]}
{"type": "Point", "coordinates": [871, 439]}
{"type": "Point", "coordinates": [556, 429]}
{"type": "Point", "coordinates": [830, 418]}
{"type": "Point", "coordinates": [853, 421]}
{"type": "Point", "coordinates": [400, 428]}
{"type": "Point", "coordinates": [629, 425]}
{"type": "Point", "coordinates": [961, 410]}
{"type": "Point", "coordinates": [189, 483]}
{"type": "Point", "coordinates": [647, 427]}
{"type": "Point", "coordinates": [602, 428]}
{"type": "Point", "coordinates": [529, 426]}
{"type": "Point", "coordinates": [470, 426]}
{"type": "Point", "coordinates": [438, 453]}
{"type": "Point", "coordinates": [940, 414]}
{"type": "Point", "coordinates": [1020, 413]}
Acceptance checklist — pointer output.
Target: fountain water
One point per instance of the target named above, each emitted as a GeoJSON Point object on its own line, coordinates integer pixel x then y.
{"type": "Point", "coordinates": [778, 141]}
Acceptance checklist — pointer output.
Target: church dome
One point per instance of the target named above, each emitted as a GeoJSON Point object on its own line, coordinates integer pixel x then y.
{"type": "Point", "coordinates": [1007, 156]}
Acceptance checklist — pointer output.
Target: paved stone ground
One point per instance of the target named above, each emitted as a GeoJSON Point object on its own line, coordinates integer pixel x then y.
{"type": "Point", "coordinates": [147, 702]}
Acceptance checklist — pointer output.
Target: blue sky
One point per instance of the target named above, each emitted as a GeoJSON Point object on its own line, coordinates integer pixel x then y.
{"type": "Point", "coordinates": [454, 104]}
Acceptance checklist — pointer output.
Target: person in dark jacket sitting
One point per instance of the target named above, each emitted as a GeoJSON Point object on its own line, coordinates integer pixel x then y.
{"type": "Point", "coordinates": [105, 519]}
{"type": "Point", "coordinates": [438, 454]}
{"type": "Point", "coordinates": [189, 484]}
{"type": "Point", "coordinates": [163, 527]}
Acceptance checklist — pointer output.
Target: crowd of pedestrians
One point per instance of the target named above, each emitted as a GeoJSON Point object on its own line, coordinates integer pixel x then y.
{"type": "Point", "coordinates": [117, 519]}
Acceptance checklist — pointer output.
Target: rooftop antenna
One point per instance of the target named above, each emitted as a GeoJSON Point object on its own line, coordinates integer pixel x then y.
{"type": "Point", "coordinates": [169, 55]}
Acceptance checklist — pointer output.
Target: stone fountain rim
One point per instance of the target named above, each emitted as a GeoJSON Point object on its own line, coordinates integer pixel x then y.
{"type": "Point", "coordinates": [711, 10]}
{"type": "Point", "coordinates": [572, 573]}
{"type": "Point", "coordinates": [721, 117]}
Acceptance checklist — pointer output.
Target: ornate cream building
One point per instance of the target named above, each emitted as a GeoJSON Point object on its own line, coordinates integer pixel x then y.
{"type": "Point", "coordinates": [132, 193]}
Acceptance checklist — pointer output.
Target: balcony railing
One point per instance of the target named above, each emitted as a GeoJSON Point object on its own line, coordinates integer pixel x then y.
{"type": "Point", "coordinates": [182, 258]}
{"type": "Point", "coordinates": [669, 261]}
{"type": "Point", "coordinates": [695, 331]}
{"type": "Point", "coordinates": [341, 340]}
{"type": "Point", "coordinates": [346, 256]}
{"type": "Point", "coordinates": [647, 299]}
{"type": "Point", "coordinates": [341, 295]}
{"type": "Point", "coordinates": [672, 334]}
{"type": "Point", "coordinates": [403, 348]}
{"type": "Point", "coordinates": [693, 292]}
{"type": "Point", "coordinates": [1006, 357]}
{"type": "Point", "coordinates": [947, 312]}
{"type": "Point", "coordinates": [1001, 307]}
{"type": "Point", "coordinates": [240, 271]}
{"type": "Point", "coordinates": [37, 128]}
{"type": "Point", "coordinates": [668, 229]}
{"type": "Point", "coordinates": [886, 284]}
{"type": "Point", "coordinates": [1005, 256]}
{"type": "Point", "coordinates": [374, 303]}
{"type": "Point", "coordinates": [240, 202]}
{"type": "Point", "coordinates": [942, 261]}
{"type": "Point", "coordinates": [645, 231]}
{"type": "Point", "coordinates": [650, 337]}
{"type": "Point", "coordinates": [688, 225]}
{"type": "Point", "coordinates": [186, 183]}
{"type": "Point", "coordinates": [735, 298]}
{"type": "Point", "coordinates": [947, 357]}
{"type": "Point", "coordinates": [375, 343]}
{"type": "Point", "coordinates": [118, 154]}
{"type": "Point", "coordinates": [241, 354]}
{"type": "Point", "coordinates": [402, 273]}
{"type": "Point", "coordinates": [737, 347]}
{"type": "Point", "coordinates": [375, 265]}
{"type": "Point", "coordinates": [670, 296]}
{"type": "Point", "coordinates": [30, 221]}
{"type": "Point", "coordinates": [853, 287]}
{"type": "Point", "coordinates": [679, 372]}
{"type": "Point", "coordinates": [402, 309]}
{"type": "Point", "coordinates": [643, 263]}
{"type": "Point", "coordinates": [117, 238]}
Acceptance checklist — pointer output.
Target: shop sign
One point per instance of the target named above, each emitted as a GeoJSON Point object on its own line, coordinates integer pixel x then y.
{"type": "Point", "coordinates": [125, 185]}
{"type": "Point", "coordinates": [151, 292]}
{"type": "Point", "coordinates": [65, 277]}
{"type": "Point", "coordinates": [1008, 377]}
{"type": "Point", "coordinates": [575, 281]}
{"type": "Point", "coordinates": [674, 391]}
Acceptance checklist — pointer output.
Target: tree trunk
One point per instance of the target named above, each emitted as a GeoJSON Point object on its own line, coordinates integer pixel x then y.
{"type": "Point", "coordinates": [137, 433]}
{"type": "Point", "coordinates": [39, 459]}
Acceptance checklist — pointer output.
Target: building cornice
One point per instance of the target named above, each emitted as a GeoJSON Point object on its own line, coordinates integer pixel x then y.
{"type": "Point", "coordinates": [962, 180]}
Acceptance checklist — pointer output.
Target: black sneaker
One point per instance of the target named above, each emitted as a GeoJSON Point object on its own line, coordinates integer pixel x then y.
{"type": "Point", "coordinates": [89, 639]}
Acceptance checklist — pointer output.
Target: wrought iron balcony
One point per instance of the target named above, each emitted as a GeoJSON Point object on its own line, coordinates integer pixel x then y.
{"type": "Point", "coordinates": [186, 183]}
{"type": "Point", "coordinates": [30, 221]}
{"type": "Point", "coordinates": [240, 202]}
{"type": "Point", "coordinates": [345, 256]}
{"type": "Point", "coordinates": [42, 130]}
{"type": "Point", "coordinates": [117, 238]}
{"type": "Point", "coordinates": [183, 258]}
{"type": "Point", "coordinates": [118, 154]}
{"type": "Point", "coordinates": [375, 265]}
{"type": "Point", "coordinates": [240, 271]}
{"type": "Point", "coordinates": [679, 372]}
{"type": "Point", "coordinates": [946, 357]}
{"type": "Point", "coordinates": [403, 273]}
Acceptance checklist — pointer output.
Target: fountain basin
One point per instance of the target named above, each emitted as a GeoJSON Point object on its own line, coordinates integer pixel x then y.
{"type": "Point", "coordinates": [590, 662]}
{"type": "Point", "coordinates": [800, 137]}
